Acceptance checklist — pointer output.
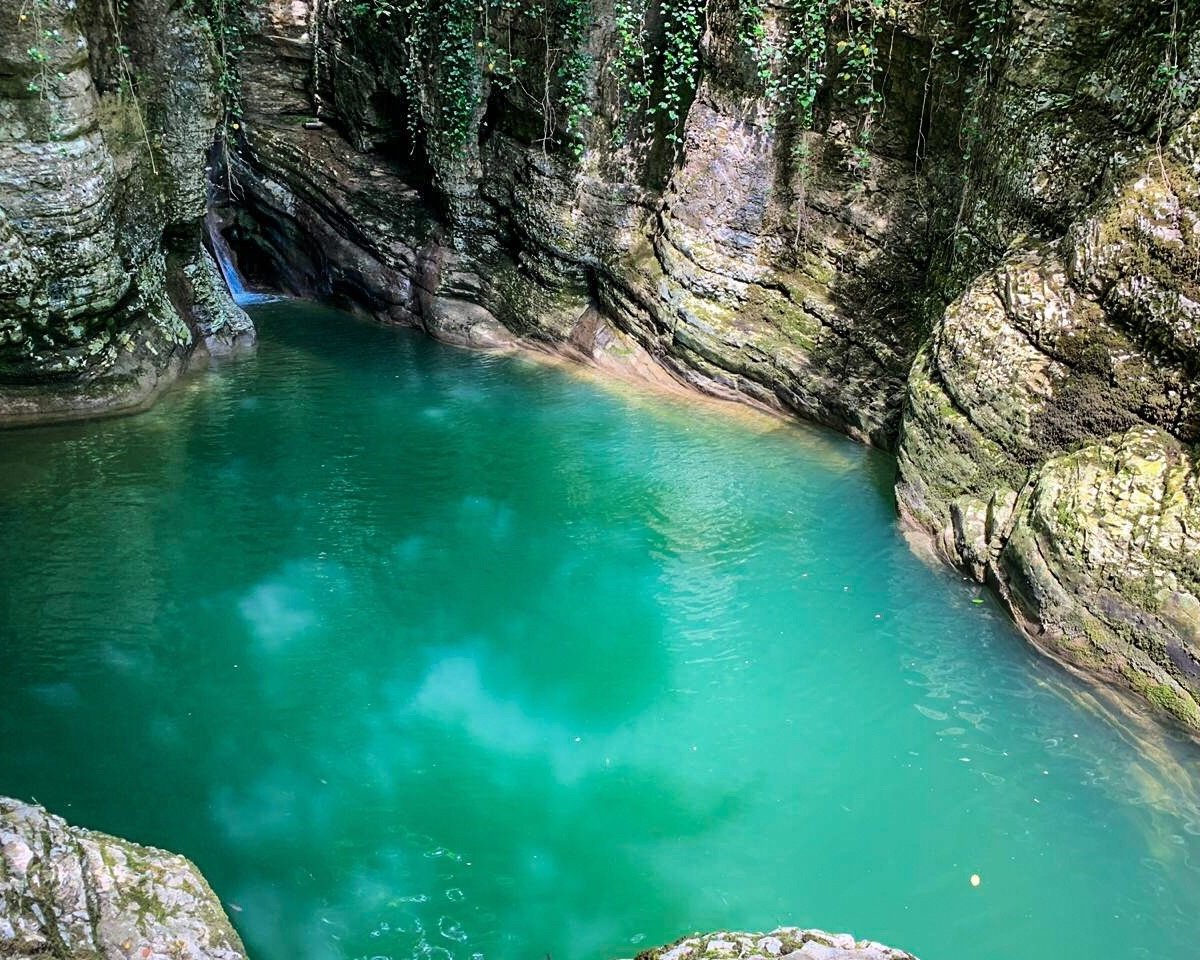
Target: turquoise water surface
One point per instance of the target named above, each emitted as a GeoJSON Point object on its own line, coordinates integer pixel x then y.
{"type": "Point", "coordinates": [427, 653]}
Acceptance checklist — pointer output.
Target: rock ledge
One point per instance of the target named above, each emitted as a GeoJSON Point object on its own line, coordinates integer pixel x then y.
{"type": "Point", "coordinates": [69, 892]}
{"type": "Point", "coordinates": [786, 943]}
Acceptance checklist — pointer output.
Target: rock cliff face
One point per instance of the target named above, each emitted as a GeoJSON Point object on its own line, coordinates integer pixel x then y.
{"type": "Point", "coordinates": [1051, 420]}
{"type": "Point", "coordinates": [67, 892]}
{"type": "Point", "coordinates": [1004, 289]}
{"type": "Point", "coordinates": [105, 118]}
{"type": "Point", "coordinates": [982, 253]}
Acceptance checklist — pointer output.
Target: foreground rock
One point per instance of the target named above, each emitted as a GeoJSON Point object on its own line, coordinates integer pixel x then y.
{"type": "Point", "coordinates": [786, 942]}
{"type": "Point", "coordinates": [68, 892]}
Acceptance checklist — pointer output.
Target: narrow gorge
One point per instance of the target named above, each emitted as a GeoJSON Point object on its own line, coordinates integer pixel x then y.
{"type": "Point", "coordinates": [964, 234]}
{"type": "Point", "coordinates": [980, 251]}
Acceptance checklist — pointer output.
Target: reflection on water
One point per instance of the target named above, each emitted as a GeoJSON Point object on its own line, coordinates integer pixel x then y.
{"type": "Point", "coordinates": [421, 653]}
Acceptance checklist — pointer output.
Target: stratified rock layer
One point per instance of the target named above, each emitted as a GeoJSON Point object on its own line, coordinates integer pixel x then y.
{"type": "Point", "coordinates": [66, 892]}
{"type": "Point", "coordinates": [986, 316]}
{"type": "Point", "coordinates": [102, 187]}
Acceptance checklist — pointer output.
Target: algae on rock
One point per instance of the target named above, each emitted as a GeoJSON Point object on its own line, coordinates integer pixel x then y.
{"type": "Point", "coordinates": [106, 118]}
{"type": "Point", "coordinates": [70, 892]}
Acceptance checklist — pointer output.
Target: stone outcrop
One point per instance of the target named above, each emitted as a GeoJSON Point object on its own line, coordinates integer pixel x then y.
{"type": "Point", "coordinates": [105, 120]}
{"type": "Point", "coordinates": [786, 943]}
{"type": "Point", "coordinates": [69, 892]}
{"type": "Point", "coordinates": [1051, 421]}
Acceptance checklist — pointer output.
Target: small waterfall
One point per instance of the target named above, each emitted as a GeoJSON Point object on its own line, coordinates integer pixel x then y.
{"type": "Point", "coordinates": [224, 257]}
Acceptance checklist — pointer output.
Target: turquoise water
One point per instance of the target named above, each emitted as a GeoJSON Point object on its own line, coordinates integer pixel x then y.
{"type": "Point", "coordinates": [426, 653]}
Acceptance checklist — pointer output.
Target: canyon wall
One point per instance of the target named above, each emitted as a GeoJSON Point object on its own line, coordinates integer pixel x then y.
{"type": "Point", "coordinates": [1001, 284]}
{"type": "Point", "coordinates": [105, 122]}
{"type": "Point", "coordinates": [980, 252]}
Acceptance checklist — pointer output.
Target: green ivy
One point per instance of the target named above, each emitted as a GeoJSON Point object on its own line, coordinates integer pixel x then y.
{"type": "Point", "coordinates": [43, 38]}
{"type": "Point", "coordinates": [792, 60]}
{"type": "Point", "coordinates": [227, 21]}
{"type": "Point", "coordinates": [630, 65]}
{"type": "Point", "coordinates": [857, 75]}
{"type": "Point", "coordinates": [576, 66]}
{"type": "Point", "coordinates": [683, 23]}
{"type": "Point", "coordinates": [453, 51]}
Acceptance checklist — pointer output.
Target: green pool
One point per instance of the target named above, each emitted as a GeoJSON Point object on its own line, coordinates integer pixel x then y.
{"type": "Point", "coordinates": [426, 653]}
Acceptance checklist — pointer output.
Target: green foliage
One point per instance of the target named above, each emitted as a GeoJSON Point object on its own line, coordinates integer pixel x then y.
{"type": "Point", "coordinates": [452, 61]}
{"type": "Point", "coordinates": [1175, 87]}
{"type": "Point", "coordinates": [539, 51]}
{"type": "Point", "coordinates": [573, 73]}
{"type": "Point", "coordinates": [809, 45]}
{"type": "Point", "coordinates": [655, 67]}
{"type": "Point", "coordinates": [859, 50]}
{"type": "Point", "coordinates": [977, 55]}
{"type": "Point", "coordinates": [453, 51]}
{"type": "Point", "coordinates": [227, 20]}
{"type": "Point", "coordinates": [682, 27]}
{"type": "Point", "coordinates": [44, 38]}
{"type": "Point", "coordinates": [630, 66]}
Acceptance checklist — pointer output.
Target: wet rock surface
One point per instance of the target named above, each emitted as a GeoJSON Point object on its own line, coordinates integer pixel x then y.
{"type": "Point", "coordinates": [785, 942]}
{"type": "Point", "coordinates": [101, 190]}
{"type": "Point", "coordinates": [69, 892]}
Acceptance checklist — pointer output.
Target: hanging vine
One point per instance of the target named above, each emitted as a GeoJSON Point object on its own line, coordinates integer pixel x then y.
{"type": "Point", "coordinates": [683, 24]}
{"type": "Point", "coordinates": [39, 50]}
{"type": "Point", "coordinates": [793, 55]}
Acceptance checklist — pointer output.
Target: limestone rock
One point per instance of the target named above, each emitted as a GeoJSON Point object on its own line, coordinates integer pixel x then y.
{"type": "Point", "coordinates": [787, 943]}
{"type": "Point", "coordinates": [102, 183]}
{"type": "Point", "coordinates": [1105, 556]}
{"type": "Point", "coordinates": [69, 892]}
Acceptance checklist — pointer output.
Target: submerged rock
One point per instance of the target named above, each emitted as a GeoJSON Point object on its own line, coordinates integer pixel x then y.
{"type": "Point", "coordinates": [67, 892]}
{"type": "Point", "coordinates": [787, 943]}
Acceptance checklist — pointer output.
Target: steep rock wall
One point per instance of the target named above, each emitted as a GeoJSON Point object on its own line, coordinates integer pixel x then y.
{"type": "Point", "coordinates": [1000, 282]}
{"type": "Point", "coordinates": [718, 275]}
{"type": "Point", "coordinates": [1004, 290]}
{"type": "Point", "coordinates": [105, 119]}
{"type": "Point", "coordinates": [1050, 425]}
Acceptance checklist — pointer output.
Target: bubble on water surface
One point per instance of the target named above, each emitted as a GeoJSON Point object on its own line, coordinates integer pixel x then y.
{"type": "Point", "coordinates": [451, 930]}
